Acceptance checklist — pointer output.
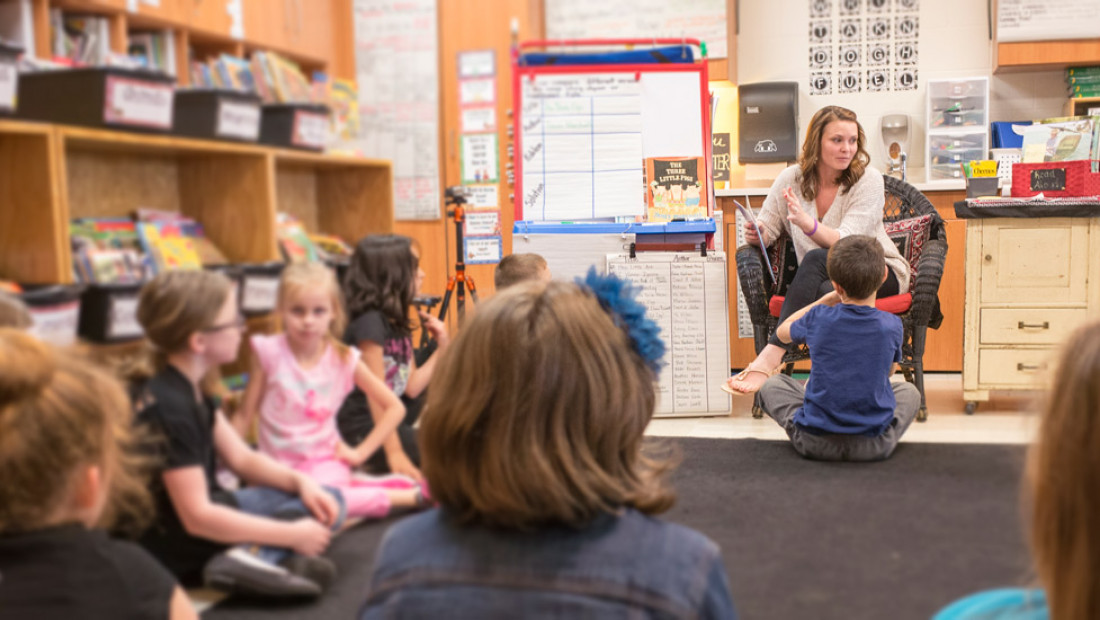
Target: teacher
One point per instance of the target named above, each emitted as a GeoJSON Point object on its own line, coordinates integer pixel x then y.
{"type": "Point", "coordinates": [830, 193]}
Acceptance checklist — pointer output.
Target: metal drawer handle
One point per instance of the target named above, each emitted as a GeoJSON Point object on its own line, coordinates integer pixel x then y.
{"type": "Point", "coordinates": [1043, 325]}
{"type": "Point", "coordinates": [1030, 367]}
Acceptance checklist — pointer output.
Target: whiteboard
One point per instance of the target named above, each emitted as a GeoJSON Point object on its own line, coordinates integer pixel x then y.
{"type": "Point", "coordinates": [691, 288]}
{"type": "Point", "coordinates": [1028, 20]}
{"type": "Point", "coordinates": [705, 20]}
{"type": "Point", "coordinates": [585, 133]}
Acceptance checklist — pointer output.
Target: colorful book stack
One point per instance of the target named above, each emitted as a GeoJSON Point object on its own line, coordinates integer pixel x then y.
{"type": "Point", "coordinates": [174, 241]}
{"type": "Point", "coordinates": [294, 241]}
{"type": "Point", "coordinates": [108, 250]}
{"type": "Point", "coordinates": [274, 78]}
{"type": "Point", "coordinates": [1083, 81]}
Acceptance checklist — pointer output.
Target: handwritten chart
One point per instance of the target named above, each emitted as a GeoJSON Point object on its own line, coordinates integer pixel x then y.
{"type": "Point", "coordinates": [583, 19]}
{"type": "Point", "coordinates": [685, 293]}
{"type": "Point", "coordinates": [582, 146]}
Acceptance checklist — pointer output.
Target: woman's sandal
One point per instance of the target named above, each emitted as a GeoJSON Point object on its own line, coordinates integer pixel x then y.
{"type": "Point", "coordinates": [741, 376]}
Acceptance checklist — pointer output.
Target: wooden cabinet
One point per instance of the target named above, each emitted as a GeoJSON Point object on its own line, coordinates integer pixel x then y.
{"type": "Point", "coordinates": [1029, 284]}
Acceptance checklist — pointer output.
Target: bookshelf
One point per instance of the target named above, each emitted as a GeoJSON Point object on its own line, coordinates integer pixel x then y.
{"type": "Point", "coordinates": [50, 174]}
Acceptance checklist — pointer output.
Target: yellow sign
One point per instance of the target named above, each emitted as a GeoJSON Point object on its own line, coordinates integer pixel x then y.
{"type": "Point", "coordinates": [983, 168]}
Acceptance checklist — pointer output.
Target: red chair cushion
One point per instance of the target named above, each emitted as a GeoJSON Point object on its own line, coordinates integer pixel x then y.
{"type": "Point", "coordinates": [895, 304]}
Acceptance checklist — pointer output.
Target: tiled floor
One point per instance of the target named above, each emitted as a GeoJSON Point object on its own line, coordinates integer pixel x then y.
{"type": "Point", "coordinates": [1010, 417]}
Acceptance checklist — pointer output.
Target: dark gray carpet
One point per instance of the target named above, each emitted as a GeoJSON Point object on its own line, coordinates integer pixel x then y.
{"type": "Point", "coordinates": [897, 539]}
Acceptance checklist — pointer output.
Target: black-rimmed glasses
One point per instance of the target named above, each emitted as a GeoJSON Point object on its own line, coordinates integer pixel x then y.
{"type": "Point", "coordinates": [237, 323]}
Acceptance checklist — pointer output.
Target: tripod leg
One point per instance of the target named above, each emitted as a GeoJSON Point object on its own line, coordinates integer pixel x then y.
{"type": "Point", "coordinates": [446, 301]}
{"type": "Point", "coordinates": [461, 301]}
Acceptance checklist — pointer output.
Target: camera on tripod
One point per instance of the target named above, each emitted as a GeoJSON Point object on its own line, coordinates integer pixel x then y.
{"type": "Point", "coordinates": [426, 301]}
{"type": "Point", "coordinates": [455, 195]}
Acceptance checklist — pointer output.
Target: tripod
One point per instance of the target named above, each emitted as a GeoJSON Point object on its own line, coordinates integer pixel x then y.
{"type": "Point", "coordinates": [457, 283]}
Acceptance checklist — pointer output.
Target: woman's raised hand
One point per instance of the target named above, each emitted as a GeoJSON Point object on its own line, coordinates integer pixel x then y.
{"type": "Point", "coordinates": [795, 215]}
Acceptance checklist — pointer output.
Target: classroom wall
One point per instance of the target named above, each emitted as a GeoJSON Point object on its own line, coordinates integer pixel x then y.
{"type": "Point", "coordinates": [773, 45]}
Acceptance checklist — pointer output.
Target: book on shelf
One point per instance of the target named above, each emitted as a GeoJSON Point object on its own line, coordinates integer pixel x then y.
{"type": "Point", "coordinates": [179, 242]}
{"type": "Point", "coordinates": [330, 248]}
{"type": "Point", "coordinates": [294, 242]}
{"type": "Point", "coordinates": [108, 250]}
{"type": "Point", "coordinates": [79, 40]}
{"type": "Point", "coordinates": [154, 50]}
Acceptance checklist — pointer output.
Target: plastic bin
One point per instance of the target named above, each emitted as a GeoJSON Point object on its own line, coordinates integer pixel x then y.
{"type": "Point", "coordinates": [110, 97]}
{"type": "Point", "coordinates": [108, 313]}
{"type": "Point", "coordinates": [259, 288]}
{"type": "Point", "coordinates": [295, 125]}
{"type": "Point", "coordinates": [55, 312]}
{"type": "Point", "coordinates": [9, 77]}
{"type": "Point", "coordinates": [217, 114]}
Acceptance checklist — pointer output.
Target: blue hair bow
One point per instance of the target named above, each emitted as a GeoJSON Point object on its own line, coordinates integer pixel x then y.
{"type": "Point", "coordinates": [617, 298]}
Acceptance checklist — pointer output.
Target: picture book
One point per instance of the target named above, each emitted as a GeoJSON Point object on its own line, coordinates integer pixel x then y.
{"type": "Point", "coordinates": [294, 242]}
{"type": "Point", "coordinates": [330, 248]}
{"type": "Point", "coordinates": [675, 188]}
{"type": "Point", "coordinates": [1061, 139]}
{"type": "Point", "coordinates": [169, 246]}
{"type": "Point", "coordinates": [108, 250]}
{"type": "Point", "coordinates": [209, 254]}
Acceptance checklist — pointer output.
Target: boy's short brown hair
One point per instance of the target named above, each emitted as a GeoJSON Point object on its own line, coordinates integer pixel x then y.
{"type": "Point", "coordinates": [518, 268]}
{"type": "Point", "coordinates": [857, 263]}
{"type": "Point", "coordinates": [536, 415]}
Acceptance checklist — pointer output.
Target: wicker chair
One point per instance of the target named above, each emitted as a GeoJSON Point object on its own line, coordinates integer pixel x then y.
{"type": "Point", "coordinates": [903, 201]}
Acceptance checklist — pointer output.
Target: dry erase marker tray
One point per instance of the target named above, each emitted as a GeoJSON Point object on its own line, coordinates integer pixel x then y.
{"type": "Point", "coordinates": [295, 125]}
{"type": "Point", "coordinates": [220, 114]}
{"type": "Point", "coordinates": [134, 99]}
{"type": "Point", "coordinates": [9, 77]}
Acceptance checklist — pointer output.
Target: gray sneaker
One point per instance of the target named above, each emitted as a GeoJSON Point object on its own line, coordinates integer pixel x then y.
{"type": "Point", "coordinates": [316, 569]}
{"type": "Point", "coordinates": [240, 572]}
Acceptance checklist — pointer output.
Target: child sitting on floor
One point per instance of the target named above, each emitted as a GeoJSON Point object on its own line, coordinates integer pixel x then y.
{"type": "Point", "coordinates": [297, 382]}
{"type": "Point", "coordinates": [67, 465]}
{"type": "Point", "coordinates": [516, 268]}
{"type": "Point", "coordinates": [848, 410]}
{"type": "Point", "coordinates": [279, 524]}
{"type": "Point", "coordinates": [532, 440]}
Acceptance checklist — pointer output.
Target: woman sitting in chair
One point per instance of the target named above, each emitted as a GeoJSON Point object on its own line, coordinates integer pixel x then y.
{"type": "Point", "coordinates": [830, 193]}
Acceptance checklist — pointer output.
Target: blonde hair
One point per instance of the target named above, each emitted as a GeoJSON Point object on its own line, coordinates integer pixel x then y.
{"type": "Point", "coordinates": [516, 268]}
{"type": "Point", "coordinates": [171, 308]}
{"type": "Point", "coordinates": [811, 151]}
{"type": "Point", "coordinates": [299, 276]}
{"type": "Point", "coordinates": [59, 412]}
{"type": "Point", "coordinates": [536, 414]}
{"type": "Point", "coordinates": [1064, 482]}
{"type": "Point", "coordinates": [13, 312]}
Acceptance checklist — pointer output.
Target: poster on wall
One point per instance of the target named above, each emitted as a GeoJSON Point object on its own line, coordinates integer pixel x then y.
{"type": "Point", "coordinates": [397, 69]}
{"type": "Point", "coordinates": [675, 188]}
{"type": "Point", "coordinates": [858, 46]}
{"type": "Point", "coordinates": [479, 158]}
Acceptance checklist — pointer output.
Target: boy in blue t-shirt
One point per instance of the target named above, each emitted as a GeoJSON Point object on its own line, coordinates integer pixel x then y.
{"type": "Point", "coordinates": [849, 410]}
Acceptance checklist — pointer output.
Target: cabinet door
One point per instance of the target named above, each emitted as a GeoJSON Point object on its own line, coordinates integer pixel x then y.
{"type": "Point", "coordinates": [265, 23]}
{"type": "Point", "coordinates": [167, 10]}
{"type": "Point", "coordinates": [310, 25]}
{"type": "Point", "coordinates": [1035, 262]}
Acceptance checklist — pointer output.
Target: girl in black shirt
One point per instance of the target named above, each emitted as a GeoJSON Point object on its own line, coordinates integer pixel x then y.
{"type": "Point", "coordinates": [66, 465]}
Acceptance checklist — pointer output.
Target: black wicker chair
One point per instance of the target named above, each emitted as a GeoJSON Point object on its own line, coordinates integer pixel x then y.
{"type": "Point", "coordinates": [903, 201]}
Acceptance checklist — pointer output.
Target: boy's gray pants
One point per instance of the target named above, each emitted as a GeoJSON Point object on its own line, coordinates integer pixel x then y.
{"type": "Point", "coordinates": [781, 396]}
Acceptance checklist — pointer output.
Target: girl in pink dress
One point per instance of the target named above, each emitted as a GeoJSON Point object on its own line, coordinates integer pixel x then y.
{"type": "Point", "coordinates": [299, 377]}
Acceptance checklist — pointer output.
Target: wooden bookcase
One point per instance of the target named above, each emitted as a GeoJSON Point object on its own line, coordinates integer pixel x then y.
{"type": "Point", "coordinates": [50, 174]}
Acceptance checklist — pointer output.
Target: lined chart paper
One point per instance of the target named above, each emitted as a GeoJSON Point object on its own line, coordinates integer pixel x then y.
{"type": "Point", "coordinates": [685, 293]}
{"type": "Point", "coordinates": [581, 145]}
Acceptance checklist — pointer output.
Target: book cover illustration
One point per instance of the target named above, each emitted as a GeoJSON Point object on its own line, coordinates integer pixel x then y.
{"type": "Point", "coordinates": [675, 188]}
{"type": "Point", "coordinates": [108, 250]}
{"type": "Point", "coordinates": [169, 246]}
{"type": "Point", "coordinates": [1060, 139]}
{"type": "Point", "coordinates": [294, 241]}
{"type": "Point", "coordinates": [209, 254]}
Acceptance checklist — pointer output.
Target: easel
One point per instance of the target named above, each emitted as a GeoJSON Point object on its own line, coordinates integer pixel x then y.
{"type": "Point", "coordinates": [456, 196]}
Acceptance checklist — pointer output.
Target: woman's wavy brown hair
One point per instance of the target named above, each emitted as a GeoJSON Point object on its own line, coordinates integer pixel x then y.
{"type": "Point", "coordinates": [811, 151]}
{"type": "Point", "coordinates": [536, 415]}
{"type": "Point", "coordinates": [1064, 482]}
{"type": "Point", "coordinates": [58, 413]}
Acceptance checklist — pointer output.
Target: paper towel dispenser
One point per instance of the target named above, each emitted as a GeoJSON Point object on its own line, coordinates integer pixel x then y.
{"type": "Point", "coordinates": [767, 122]}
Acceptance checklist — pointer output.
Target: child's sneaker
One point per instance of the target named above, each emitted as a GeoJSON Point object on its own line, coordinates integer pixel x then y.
{"type": "Point", "coordinates": [240, 572]}
{"type": "Point", "coordinates": [316, 569]}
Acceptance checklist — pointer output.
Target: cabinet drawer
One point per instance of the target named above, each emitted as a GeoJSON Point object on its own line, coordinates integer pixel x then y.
{"type": "Point", "coordinates": [1029, 325]}
{"type": "Point", "coordinates": [1015, 367]}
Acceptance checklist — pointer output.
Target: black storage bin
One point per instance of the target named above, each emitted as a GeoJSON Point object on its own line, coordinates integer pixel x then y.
{"type": "Point", "coordinates": [259, 286]}
{"type": "Point", "coordinates": [295, 125]}
{"type": "Point", "coordinates": [9, 77]}
{"type": "Point", "coordinates": [219, 114]}
{"type": "Point", "coordinates": [106, 97]}
{"type": "Point", "coordinates": [108, 313]}
{"type": "Point", "coordinates": [55, 310]}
